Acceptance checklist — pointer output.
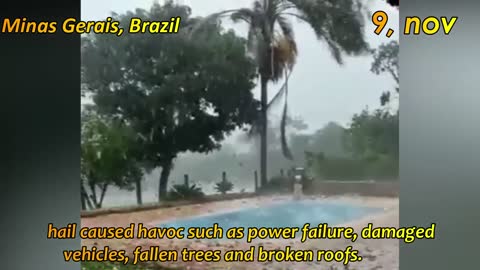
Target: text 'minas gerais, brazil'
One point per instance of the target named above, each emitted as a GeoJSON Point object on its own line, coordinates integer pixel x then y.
{"type": "Point", "coordinates": [107, 26]}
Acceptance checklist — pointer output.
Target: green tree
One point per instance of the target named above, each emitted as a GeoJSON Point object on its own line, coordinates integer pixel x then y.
{"type": "Point", "coordinates": [338, 23]}
{"type": "Point", "coordinates": [374, 134]}
{"type": "Point", "coordinates": [385, 60]}
{"type": "Point", "coordinates": [178, 94]}
{"type": "Point", "coordinates": [107, 158]}
{"type": "Point", "coordinates": [329, 140]}
{"type": "Point", "coordinates": [377, 133]}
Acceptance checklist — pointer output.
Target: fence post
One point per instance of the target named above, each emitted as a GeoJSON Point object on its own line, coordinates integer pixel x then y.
{"type": "Point", "coordinates": [185, 180]}
{"type": "Point", "coordinates": [256, 180]}
{"type": "Point", "coordinates": [224, 176]}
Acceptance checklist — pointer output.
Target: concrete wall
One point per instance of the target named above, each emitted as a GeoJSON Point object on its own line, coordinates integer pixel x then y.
{"type": "Point", "coordinates": [364, 188]}
{"type": "Point", "coordinates": [166, 204]}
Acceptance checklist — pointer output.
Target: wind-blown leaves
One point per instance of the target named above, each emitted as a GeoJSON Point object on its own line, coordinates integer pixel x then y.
{"type": "Point", "coordinates": [339, 23]}
{"type": "Point", "coordinates": [283, 125]}
{"type": "Point", "coordinates": [385, 60]}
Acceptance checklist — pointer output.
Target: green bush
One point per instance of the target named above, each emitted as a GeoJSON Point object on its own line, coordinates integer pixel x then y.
{"type": "Point", "coordinates": [184, 192]}
{"type": "Point", "coordinates": [224, 186]}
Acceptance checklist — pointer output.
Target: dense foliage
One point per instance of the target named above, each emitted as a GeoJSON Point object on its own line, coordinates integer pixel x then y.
{"type": "Point", "coordinates": [177, 94]}
{"type": "Point", "coordinates": [108, 155]}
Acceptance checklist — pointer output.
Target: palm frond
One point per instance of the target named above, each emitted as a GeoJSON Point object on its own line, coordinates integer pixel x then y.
{"type": "Point", "coordinates": [244, 14]}
{"type": "Point", "coordinates": [201, 23]}
{"type": "Point", "coordinates": [287, 153]}
{"type": "Point", "coordinates": [340, 23]}
{"type": "Point", "coordinates": [287, 52]}
{"type": "Point", "coordinates": [274, 101]}
{"type": "Point", "coordinates": [334, 48]}
{"type": "Point", "coordinates": [284, 57]}
{"type": "Point", "coordinates": [286, 27]}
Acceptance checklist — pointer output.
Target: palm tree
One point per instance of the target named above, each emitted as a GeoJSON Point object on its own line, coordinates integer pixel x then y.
{"type": "Point", "coordinates": [338, 23]}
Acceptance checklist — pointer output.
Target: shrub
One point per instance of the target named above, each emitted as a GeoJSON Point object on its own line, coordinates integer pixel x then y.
{"type": "Point", "coordinates": [184, 192]}
{"type": "Point", "coordinates": [224, 186]}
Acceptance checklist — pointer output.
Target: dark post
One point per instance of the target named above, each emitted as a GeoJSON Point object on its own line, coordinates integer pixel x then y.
{"type": "Point", "coordinates": [185, 180]}
{"type": "Point", "coordinates": [224, 176]}
{"type": "Point", "coordinates": [256, 180]}
{"type": "Point", "coordinates": [138, 190]}
{"type": "Point", "coordinates": [84, 203]}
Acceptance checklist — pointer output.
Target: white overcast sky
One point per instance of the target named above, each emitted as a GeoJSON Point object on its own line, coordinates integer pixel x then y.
{"type": "Point", "coordinates": [319, 91]}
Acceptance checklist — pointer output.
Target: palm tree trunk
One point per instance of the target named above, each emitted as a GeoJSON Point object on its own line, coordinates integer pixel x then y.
{"type": "Point", "coordinates": [263, 131]}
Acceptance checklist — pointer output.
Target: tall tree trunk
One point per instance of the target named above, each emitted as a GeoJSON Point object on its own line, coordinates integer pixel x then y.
{"type": "Point", "coordinates": [97, 202]}
{"type": "Point", "coordinates": [138, 190]}
{"type": "Point", "coordinates": [82, 198]}
{"type": "Point", "coordinates": [263, 131]}
{"type": "Point", "coordinates": [85, 197]}
{"type": "Point", "coordinates": [162, 187]}
{"type": "Point", "coordinates": [93, 194]}
{"type": "Point", "coordinates": [102, 195]}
